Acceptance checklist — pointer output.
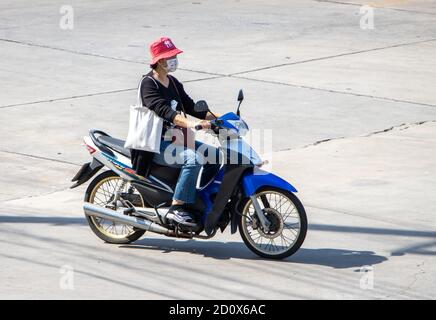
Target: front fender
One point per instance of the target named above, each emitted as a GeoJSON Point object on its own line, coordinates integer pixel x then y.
{"type": "Point", "coordinates": [252, 181]}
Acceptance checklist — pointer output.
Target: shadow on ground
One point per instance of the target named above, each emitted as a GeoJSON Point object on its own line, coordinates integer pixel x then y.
{"type": "Point", "coordinates": [334, 258]}
{"type": "Point", "coordinates": [57, 221]}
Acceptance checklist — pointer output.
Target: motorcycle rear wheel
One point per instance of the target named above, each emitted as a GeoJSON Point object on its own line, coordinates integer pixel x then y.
{"type": "Point", "coordinates": [288, 224]}
{"type": "Point", "coordinates": [99, 192]}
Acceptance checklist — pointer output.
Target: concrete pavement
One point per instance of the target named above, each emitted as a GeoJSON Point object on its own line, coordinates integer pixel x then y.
{"type": "Point", "coordinates": [309, 72]}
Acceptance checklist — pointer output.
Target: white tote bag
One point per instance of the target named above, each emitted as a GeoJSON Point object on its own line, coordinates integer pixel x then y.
{"type": "Point", "coordinates": [145, 127]}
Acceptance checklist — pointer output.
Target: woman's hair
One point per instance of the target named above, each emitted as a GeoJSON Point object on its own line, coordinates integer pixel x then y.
{"type": "Point", "coordinates": [153, 66]}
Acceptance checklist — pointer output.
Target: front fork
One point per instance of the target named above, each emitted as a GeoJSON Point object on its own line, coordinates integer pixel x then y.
{"type": "Point", "coordinates": [259, 212]}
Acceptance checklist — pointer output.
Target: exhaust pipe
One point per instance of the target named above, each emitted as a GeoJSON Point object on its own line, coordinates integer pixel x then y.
{"type": "Point", "coordinates": [108, 214]}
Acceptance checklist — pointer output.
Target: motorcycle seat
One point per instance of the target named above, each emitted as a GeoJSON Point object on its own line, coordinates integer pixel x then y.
{"type": "Point", "coordinates": [115, 144]}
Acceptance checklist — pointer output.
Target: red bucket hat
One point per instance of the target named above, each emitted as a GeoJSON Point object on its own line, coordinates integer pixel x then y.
{"type": "Point", "coordinates": [162, 48]}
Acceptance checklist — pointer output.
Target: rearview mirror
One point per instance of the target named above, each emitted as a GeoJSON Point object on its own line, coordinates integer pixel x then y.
{"type": "Point", "coordinates": [201, 106]}
{"type": "Point", "coordinates": [240, 95]}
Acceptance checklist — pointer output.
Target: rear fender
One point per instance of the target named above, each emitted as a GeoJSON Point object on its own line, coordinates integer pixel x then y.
{"type": "Point", "coordinates": [86, 172]}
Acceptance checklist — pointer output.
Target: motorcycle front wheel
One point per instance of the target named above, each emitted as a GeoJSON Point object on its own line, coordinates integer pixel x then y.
{"type": "Point", "coordinates": [288, 224]}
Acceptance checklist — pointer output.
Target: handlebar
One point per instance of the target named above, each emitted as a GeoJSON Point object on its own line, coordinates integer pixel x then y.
{"type": "Point", "coordinates": [214, 125]}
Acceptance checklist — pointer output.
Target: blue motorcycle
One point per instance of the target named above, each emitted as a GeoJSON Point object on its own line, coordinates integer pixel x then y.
{"type": "Point", "coordinates": [120, 205]}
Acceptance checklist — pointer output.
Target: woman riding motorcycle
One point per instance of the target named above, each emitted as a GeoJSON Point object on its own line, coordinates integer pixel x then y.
{"type": "Point", "coordinates": [165, 95]}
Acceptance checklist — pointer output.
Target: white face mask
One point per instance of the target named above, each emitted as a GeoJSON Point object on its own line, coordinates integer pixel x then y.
{"type": "Point", "coordinates": [172, 65]}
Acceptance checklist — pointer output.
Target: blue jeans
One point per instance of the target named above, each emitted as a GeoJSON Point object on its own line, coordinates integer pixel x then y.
{"type": "Point", "coordinates": [190, 162]}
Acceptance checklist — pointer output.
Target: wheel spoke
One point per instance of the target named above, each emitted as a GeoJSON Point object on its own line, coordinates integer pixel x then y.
{"type": "Point", "coordinates": [291, 225]}
{"type": "Point", "coordinates": [285, 237]}
{"type": "Point", "coordinates": [288, 214]}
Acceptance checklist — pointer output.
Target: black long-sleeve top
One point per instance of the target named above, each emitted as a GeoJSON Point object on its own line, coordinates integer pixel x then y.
{"type": "Point", "coordinates": [159, 99]}
{"type": "Point", "coordinates": [166, 102]}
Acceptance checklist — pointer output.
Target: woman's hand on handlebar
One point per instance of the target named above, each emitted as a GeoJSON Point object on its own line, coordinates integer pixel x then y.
{"type": "Point", "coordinates": [203, 124]}
{"type": "Point", "coordinates": [181, 121]}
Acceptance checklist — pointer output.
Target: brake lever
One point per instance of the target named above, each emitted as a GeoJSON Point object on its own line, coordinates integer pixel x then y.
{"type": "Point", "coordinates": [214, 126]}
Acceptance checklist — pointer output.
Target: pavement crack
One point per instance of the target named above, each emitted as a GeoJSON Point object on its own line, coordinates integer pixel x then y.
{"type": "Point", "coordinates": [374, 5]}
{"type": "Point", "coordinates": [204, 79]}
{"type": "Point", "coordinates": [91, 94]}
{"type": "Point", "coordinates": [40, 158]}
{"type": "Point", "coordinates": [24, 43]}
{"type": "Point", "coordinates": [67, 98]}
{"type": "Point", "coordinates": [420, 271]}
{"type": "Point", "coordinates": [333, 56]}
{"type": "Point", "coordinates": [95, 55]}
{"type": "Point", "coordinates": [35, 195]}
{"type": "Point", "coordinates": [236, 75]}
{"type": "Point", "coordinates": [338, 91]}
{"type": "Point", "coordinates": [216, 74]}
{"type": "Point", "coordinates": [402, 126]}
